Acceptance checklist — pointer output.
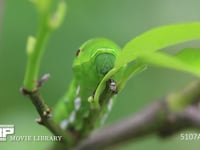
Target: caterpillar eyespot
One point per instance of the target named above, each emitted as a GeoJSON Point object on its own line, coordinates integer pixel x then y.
{"type": "Point", "coordinates": [78, 52]}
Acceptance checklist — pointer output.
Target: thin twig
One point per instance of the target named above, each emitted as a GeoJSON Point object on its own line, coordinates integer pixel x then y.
{"type": "Point", "coordinates": [159, 118]}
{"type": "Point", "coordinates": [45, 112]}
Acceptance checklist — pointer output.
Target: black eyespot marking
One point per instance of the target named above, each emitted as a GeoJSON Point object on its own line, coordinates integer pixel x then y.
{"type": "Point", "coordinates": [78, 52]}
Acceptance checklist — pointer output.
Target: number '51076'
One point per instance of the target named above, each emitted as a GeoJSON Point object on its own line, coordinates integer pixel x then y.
{"type": "Point", "coordinates": [190, 136]}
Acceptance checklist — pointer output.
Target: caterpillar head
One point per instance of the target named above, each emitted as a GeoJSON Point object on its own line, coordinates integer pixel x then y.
{"type": "Point", "coordinates": [96, 56]}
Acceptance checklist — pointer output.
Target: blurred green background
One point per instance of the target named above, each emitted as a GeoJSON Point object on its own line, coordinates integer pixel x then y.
{"type": "Point", "coordinates": [114, 19]}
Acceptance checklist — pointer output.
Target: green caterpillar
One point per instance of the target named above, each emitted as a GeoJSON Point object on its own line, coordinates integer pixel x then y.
{"type": "Point", "coordinates": [93, 61]}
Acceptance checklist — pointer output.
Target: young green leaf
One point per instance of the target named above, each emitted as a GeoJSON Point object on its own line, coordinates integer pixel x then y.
{"type": "Point", "coordinates": [169, 61]}
{"type": "Point", "coordinates": [57, 18]}
{"type": "Point", "coordinates": [190, 56]}
{"type": "Point", "coordinates": [157, 39]}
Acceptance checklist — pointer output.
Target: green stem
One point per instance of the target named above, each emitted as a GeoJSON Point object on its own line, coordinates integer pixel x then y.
{"type": "Point", "coordinates": [34, 57]}
{"type": "Point", "coordinates": [35, 50]}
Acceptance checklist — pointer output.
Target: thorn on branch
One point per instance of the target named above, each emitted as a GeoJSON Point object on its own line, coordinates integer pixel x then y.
{"type": "Point", "coordinates": [42, 80]}
{"type": "Point", "coordinates": [25, 92]}
{"type": "Point", "coordinates": [47, 113]}
{"type": "Point", "coordinates": [39, 121]}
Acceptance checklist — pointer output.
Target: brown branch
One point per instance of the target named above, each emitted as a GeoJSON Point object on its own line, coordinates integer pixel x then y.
{"type": "Point", "coordinates": [159, 118]}
{"type": "Point", "coordinates": [45, 112]}
{"type": "Point", "coordinates": [192, 116]}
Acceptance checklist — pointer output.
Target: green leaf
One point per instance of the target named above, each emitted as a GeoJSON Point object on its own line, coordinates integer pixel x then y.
{"type": "Point", "coordinates": [145, 46]}
{"type": "Point", "coordinates": [179, 62]}
{"type": "Point", "coordinates": [158, 38]}
{"type": "Point", "coordinates": [190, 56]}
